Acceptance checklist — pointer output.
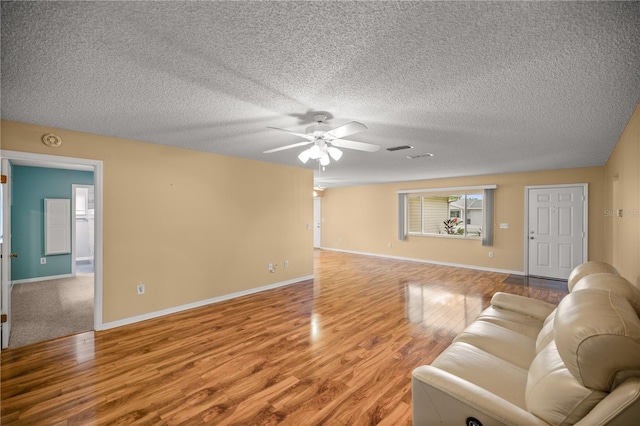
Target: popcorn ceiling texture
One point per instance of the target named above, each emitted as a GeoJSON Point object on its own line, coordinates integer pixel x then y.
{"type": "Point", "coordinates": [486, 87]}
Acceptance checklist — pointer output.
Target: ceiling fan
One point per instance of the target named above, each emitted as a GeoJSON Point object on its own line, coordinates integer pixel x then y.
{"type": "Point", "coordinates": [325, 141]}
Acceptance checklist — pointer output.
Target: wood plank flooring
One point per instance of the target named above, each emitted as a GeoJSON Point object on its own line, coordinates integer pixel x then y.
{"type": "Point", "coordinates": [337, 350]}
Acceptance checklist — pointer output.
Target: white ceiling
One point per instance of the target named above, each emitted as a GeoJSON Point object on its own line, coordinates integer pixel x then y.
{"type": "Point", "coordinates": [485, 87]}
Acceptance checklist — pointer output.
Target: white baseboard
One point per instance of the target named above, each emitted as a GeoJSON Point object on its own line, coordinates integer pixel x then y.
{"type": "Point", "coordinates": [36, 279]}
{"type": "Point", "coordinates": [175, 309]}
{"type": "Point", "coordinates": [432, 262]}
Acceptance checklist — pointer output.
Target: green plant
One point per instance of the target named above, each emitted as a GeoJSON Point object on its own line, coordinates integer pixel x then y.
{"type": "Point", "coordinates": [450, 226]}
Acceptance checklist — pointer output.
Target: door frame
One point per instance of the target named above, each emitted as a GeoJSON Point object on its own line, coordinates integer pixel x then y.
{"type": "Point", "coordinates": [585, 218]}
{"type": "Point", "coordinates": [73, 163]}
{"type": "Point", "coordinates": [6, 286]}
{"type": "Point", "coordinates": [74, 224]}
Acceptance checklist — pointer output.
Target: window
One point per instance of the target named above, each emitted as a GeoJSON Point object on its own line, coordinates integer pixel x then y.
{"type": "Point", "coordinates": [456, 212]}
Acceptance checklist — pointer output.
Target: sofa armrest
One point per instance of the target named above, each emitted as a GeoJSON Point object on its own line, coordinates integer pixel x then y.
{"type": "Point", "coordinates": [621, 407]}
{"type": "Point", "coordinates": [523, 305]}
{"type": "Point", "coordinates": [441, 398]}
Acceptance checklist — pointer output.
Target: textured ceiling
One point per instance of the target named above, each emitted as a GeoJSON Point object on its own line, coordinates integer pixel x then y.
{"type": "Point", "coordinates": [485, 87]}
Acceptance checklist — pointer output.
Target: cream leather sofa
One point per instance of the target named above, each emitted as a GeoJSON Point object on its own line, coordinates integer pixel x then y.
{"type": "Point", "coordinates": [526, 362]}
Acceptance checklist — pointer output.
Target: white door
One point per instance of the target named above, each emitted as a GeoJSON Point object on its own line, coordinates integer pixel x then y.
{"type": "Point", "coordinates": [317, 222]}
{"type": "Point", "coordinates": [82, 228]}
{"type": "Point", "coordinates": [556, 230]}
{"type": "Point", "coordinates": [5, 275]}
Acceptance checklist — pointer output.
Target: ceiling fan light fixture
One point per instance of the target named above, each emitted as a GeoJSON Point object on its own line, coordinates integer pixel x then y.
{"type": "Point", "coordinates": [304, 156]}
{"type": "Point", "coordinates": [335, 153]}
{"type": "Point", "coordinates": [325, 141]}
{"type": "Point", "coordinates": [315, 152]}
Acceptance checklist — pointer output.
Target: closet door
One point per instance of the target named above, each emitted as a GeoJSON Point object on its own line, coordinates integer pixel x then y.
{"type": "Point", "coordinates": [57, 226]}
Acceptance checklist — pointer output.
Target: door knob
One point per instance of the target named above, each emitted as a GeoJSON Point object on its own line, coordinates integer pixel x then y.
{"type": "Point", "coordinates": [13, 255]}
{"type": "Point", "coordinates": [531, 238]}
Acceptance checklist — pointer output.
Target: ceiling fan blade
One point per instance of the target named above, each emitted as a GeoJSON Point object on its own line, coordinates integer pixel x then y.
{"type": "Point", "coordinates": [346, 130]}
{"type": "Point", "coordinates": [302, 135]}
{"type": "Point", "coordinates": [360, 146]}
{"type": "Point", "coordinates": [282, 148]}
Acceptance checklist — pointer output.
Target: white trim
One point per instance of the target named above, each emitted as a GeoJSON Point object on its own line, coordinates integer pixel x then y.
{"type": "Point", "coordinates": [200, 303]}
{"type": "Point", "coordinates": [5, 281]}
{"type": "Point", "coordinates": [36, 279]}
{"type": "Point", "coordinates": [585, 219]}
{"type": "Point", "coordinates": [432, 262]}
{"type": "Point", "coordinates": [452, 189]}
{"type": "Point", "coordinates": [72, 163]}
{"type": "Point", "coordinates": [452, 236]}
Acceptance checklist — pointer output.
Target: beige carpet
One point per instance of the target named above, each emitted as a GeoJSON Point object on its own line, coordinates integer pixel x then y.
{"type": "Point", "coordinates": [45, 310]}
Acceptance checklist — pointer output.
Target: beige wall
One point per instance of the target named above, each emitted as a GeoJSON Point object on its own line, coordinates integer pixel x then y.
{"type": "Point", "coordinates": [190, 225]}
{"type": "Point", "coordinates": [365, 219]}
{"type": "Point", "coordinates": [622, 192]}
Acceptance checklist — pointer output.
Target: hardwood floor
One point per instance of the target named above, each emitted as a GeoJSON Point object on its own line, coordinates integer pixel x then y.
{"type": "Point", "coordinates": [338, 350]}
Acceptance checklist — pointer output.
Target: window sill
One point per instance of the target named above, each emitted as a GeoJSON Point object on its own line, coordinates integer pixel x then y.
{"type": "Point", "coordinates": [454, 237]}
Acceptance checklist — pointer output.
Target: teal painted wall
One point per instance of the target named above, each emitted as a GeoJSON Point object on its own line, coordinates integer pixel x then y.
{"type": "Point", "coordinates": [30, 186]}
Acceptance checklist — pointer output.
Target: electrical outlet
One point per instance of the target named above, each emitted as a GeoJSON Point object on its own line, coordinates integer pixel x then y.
{"type": "Point", "coordinates": [140, 288]}
{"type": "Point", "coordinates": [490, 254]}
{"type": "Point", "coordinates": [389, 245]}
{"type": "Point", "coordinates": [286, 263]}
{"type": "Point", "coordinates": [43, 260]}
{"type": "Point", "coordinates": [271, 267]}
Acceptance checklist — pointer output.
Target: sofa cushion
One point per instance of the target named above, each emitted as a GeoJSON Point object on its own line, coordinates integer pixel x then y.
{"type": "Point", "coordinates": [546, 334]}
{"type": "Point", "coordinates": [553, 394]}
{"type": "Point", "coordinates": [506, 380]}
{"type": "Point", "coordinates": [509, 345]}
{"type": "Point", "coordinates": [597, 333]}
{"type": "Point", "coordinates": [523, 305]}
{"type": "Point", "coordinates": [517, 313]}
{"type": "Point", "coordinates": [522, 324]}
{"type": "Point", "coordinates": [589, 268]}
{"type": "Point", "coordinates": [613, 283]}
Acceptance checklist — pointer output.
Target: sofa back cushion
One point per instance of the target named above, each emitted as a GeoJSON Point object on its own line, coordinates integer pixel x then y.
{"type": "Point", "coordinates": [545, 336]}
{"type": "Point", "coordinates": [553, 394]}
{"type": "Point", "coordinates": [588, 268]}
{"type": "Point", "coordinates": [595, 346]}
{"type": "Point", "coordinates": [613, 283]}
{"type": "Point", "coordinates": [597, 334]}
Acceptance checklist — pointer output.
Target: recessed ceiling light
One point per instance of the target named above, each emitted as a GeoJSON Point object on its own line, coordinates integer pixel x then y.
{"type": "Point", "coordinates": [413, 157]}
{"type": "Point", "coordinates": [398, 148]}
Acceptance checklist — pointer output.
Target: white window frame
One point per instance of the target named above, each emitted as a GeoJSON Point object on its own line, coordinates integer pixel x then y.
{"type": "Point", "coordinates": [460, 224]}
{"type": "Point", "coordinates": [487, 213]}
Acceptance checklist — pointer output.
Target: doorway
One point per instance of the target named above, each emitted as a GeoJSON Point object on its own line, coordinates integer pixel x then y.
{"type": "Point", "coordinates": [556, 229]}
{"type": "Point", "coordinates": [317, 222]}
{"type": "Point", "coordinates": [83, 229]}
{"type": "Point", "coordinates": [55, 162]}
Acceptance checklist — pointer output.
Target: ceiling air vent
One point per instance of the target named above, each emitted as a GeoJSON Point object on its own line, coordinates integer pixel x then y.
{"type": "Point", "coordinates": [413, 157]}
{"type": "Point", "coordinates": [398, 148]}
